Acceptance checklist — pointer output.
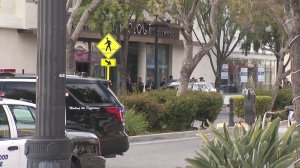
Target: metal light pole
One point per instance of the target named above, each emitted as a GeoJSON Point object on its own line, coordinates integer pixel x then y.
{"type": "Point", "coordinates": [156, 74]}
{"type": "Point", "coordinates": [50, 147]}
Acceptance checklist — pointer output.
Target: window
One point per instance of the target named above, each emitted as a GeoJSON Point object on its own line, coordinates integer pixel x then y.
{"type": "Point", "coordinates": [24, 119]}
{"type": "Point", "coordinates": [4, 126]}
{"type": "Point", "coordinates": [209, 86]}
{"type": "Point", "coordinates": [163, 61]}
{"type": "Point", "coordinates": [201, 87]}
{"type": "Point", "coordinates": [90, 93]}
{"type": "Point", "coordinates": [18, 90]}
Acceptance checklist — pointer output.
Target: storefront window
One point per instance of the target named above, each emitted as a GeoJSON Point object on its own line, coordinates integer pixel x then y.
{"type": "Point", "coordinates": [248, 73]}
{"type": "Point", "coordinates": [163, 61]}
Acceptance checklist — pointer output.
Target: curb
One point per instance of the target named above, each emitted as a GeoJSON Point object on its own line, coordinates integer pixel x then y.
{"type": "Point", "coordinates": [163, 136]}
{"type": "Point", "coordinates": [184, 134]}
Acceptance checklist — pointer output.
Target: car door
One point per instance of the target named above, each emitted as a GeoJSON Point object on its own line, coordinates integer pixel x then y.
{"type": "Point", "coordinates": [9, 148]}
{"type": "Point", "coordinates": [24, 119]}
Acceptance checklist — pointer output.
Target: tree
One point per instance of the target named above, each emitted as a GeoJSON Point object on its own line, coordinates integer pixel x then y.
{"type": "Point", "coordinates": [286, 14]}
{"type": "Point", "coordinates": [229, 35]}
{"type": "Point", "coordinates": [114, 17]}
{"type": "Point", "coordinates": [292, 9]}
{"type": "Point", "coordinates": [72, 36]}
{"type": "Point", "coordinates": [266, 34]}
{"type": "Point", "coordinates": [184, 12]}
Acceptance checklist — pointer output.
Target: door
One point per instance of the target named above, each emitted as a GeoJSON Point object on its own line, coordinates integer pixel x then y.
{"type": "Point", "coordinates": [24, 122]}
{"type": "Point", "coordinates": [9, 148]}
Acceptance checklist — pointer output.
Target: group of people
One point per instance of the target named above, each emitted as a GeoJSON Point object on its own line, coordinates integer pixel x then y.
{"type": "Point", "coordinates": [201, 79]}
{"type": "Point", "coordinates": [150, 85]}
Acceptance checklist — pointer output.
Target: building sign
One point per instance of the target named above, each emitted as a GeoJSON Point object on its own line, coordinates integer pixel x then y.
{"type": "Point", "coordinates": [81, 56]}
{"type": "Point", "coordinates": [261, 74]}
{"type": "Point", "coordinates": [224, 71]}
{"type": "Point", "coordinates": [146, 29]}
{"type": "Point", "coordinates": [244, 75]}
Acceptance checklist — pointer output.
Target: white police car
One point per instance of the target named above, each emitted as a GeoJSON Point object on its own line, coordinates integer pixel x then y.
{"type": "Point", "coordinates": [17, 123]}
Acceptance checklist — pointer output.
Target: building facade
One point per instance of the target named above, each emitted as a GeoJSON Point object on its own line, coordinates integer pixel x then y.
{"type": "Point", "coordinates": [18, 44]}
{"type": "Point", "coordinates": [17, 41]}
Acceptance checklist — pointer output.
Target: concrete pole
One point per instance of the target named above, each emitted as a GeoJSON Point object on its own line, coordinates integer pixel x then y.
{"type": "Point", "coordinates": [50, 147]}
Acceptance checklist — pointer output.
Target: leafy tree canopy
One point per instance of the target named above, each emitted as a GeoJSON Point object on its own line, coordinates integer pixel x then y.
{"type": "Point", "coordinates": [264, 29]}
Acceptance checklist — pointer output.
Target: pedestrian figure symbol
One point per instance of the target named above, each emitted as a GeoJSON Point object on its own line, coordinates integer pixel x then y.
{"type": "Point", "coordinates": [108, 42]}
{"type": "Point", "coordinates": [108, 46]}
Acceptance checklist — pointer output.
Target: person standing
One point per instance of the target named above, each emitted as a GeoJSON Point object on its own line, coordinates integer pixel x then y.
{"type": "Point", "coordinates": [163, 83]}
{"type": "Point", "coordinates": [129, 86]}
{"type": "Point", "coordinates": [140, 85]}
{"type": "Point", "coordinates": [149, 84]}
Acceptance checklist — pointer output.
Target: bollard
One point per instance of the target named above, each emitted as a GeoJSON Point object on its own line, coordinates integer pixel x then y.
{"type": "Point", "coordinates": [231, 115]}
{"type": "Point", "coordinates": [249, 107]}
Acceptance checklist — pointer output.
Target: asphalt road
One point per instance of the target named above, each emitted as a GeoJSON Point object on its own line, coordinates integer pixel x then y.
{"type": "Point", "coordinates": [157, 154]}
{"type": "Point", "coordinates": [161, 153]}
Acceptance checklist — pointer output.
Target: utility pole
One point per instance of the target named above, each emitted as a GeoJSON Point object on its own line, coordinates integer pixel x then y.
{"type": "Point", "coordinates": [50, 147]}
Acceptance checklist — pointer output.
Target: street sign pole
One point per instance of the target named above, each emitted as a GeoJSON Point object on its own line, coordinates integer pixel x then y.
{"type": "Point", "coordinates": [107, 73]}
{"type": "Point", "coordinates": [108, 46]}
{"type": "Point", "coordinates": [49, 147]}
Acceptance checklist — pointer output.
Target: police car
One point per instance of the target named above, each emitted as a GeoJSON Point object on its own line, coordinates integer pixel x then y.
{"type": "Point", "coordinates": [91, 106]}
{"type": "Point", "coordinates": [17, 124]}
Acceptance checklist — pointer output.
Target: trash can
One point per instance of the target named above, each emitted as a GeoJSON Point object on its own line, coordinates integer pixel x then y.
{"type": "Point", "coordinates": [249, 106]}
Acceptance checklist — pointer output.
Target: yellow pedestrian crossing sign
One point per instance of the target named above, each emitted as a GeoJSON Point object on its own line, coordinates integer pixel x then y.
{"type": "Point", "coordinates": [108, 46]}
{"type": "Point", "coordinates": [108, 62]}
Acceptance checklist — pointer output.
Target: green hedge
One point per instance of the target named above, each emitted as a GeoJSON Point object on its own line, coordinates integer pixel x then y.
{"type": "Point", "coordinates": [152, 110]}
{"type": "Point", "coordinates": [193, 105]}
{"type": "Point", "coordinates": [284, 97]}
{"type": "Point", "coordinates": [164, 110]}
{"type": "Point", "coordinates": [180, 112]}
{"type": "Point", "coordinates": [209, 107]}
{"type": "Point", "coordinates": [261, 106]}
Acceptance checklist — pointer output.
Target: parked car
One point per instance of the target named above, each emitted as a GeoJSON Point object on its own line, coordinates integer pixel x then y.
{"type": "Point", "coordinates": [203, 86]}
{"type": "Point", "coordinates": [17, 124]}
{"type": "Point", "coordinates": [91, 106]}
{"type": "Point", "coordinates": [200, 86]}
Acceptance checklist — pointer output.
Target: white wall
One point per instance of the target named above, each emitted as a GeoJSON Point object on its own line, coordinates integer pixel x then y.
{"type": "Point", "coordinates": [18, 14]}
{"type": "Point", "coordinates": [18, 51]}
{"type": "Point", "coordinates": [202, 69]}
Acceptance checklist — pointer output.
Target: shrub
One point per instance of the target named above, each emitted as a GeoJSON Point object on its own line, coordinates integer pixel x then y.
{"type": "Point", "coordinates": [180, 113]}
{"type": "Point", "coordinates": [135, 123]}
{"type": "Point", "coordinates": [238, 106]}
{"type": "Point", "coordinates": [284, 97]}
{"type": "Point", "coordinates": [152, 110]}
{"type": "Point", "coordinates": [259, 147]}
{"type": "Point", "coordinates": [261, 106]}
{"type": "Point", "coordinates": [163, 109]}
{"type": "Point", "coordinates": [190, 106]}
{"type": "Point", "coordinates": [209, 105]}
{"type": "Point", "coordinates": [161, 96]}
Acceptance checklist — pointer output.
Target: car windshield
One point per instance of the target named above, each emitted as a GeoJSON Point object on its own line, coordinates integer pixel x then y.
{"type": "Point", "coordinates": [209, 85]}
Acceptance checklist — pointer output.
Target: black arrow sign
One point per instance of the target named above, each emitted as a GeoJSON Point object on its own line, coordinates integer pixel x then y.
{"type": "Point", "coordinates": [108, 62]}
